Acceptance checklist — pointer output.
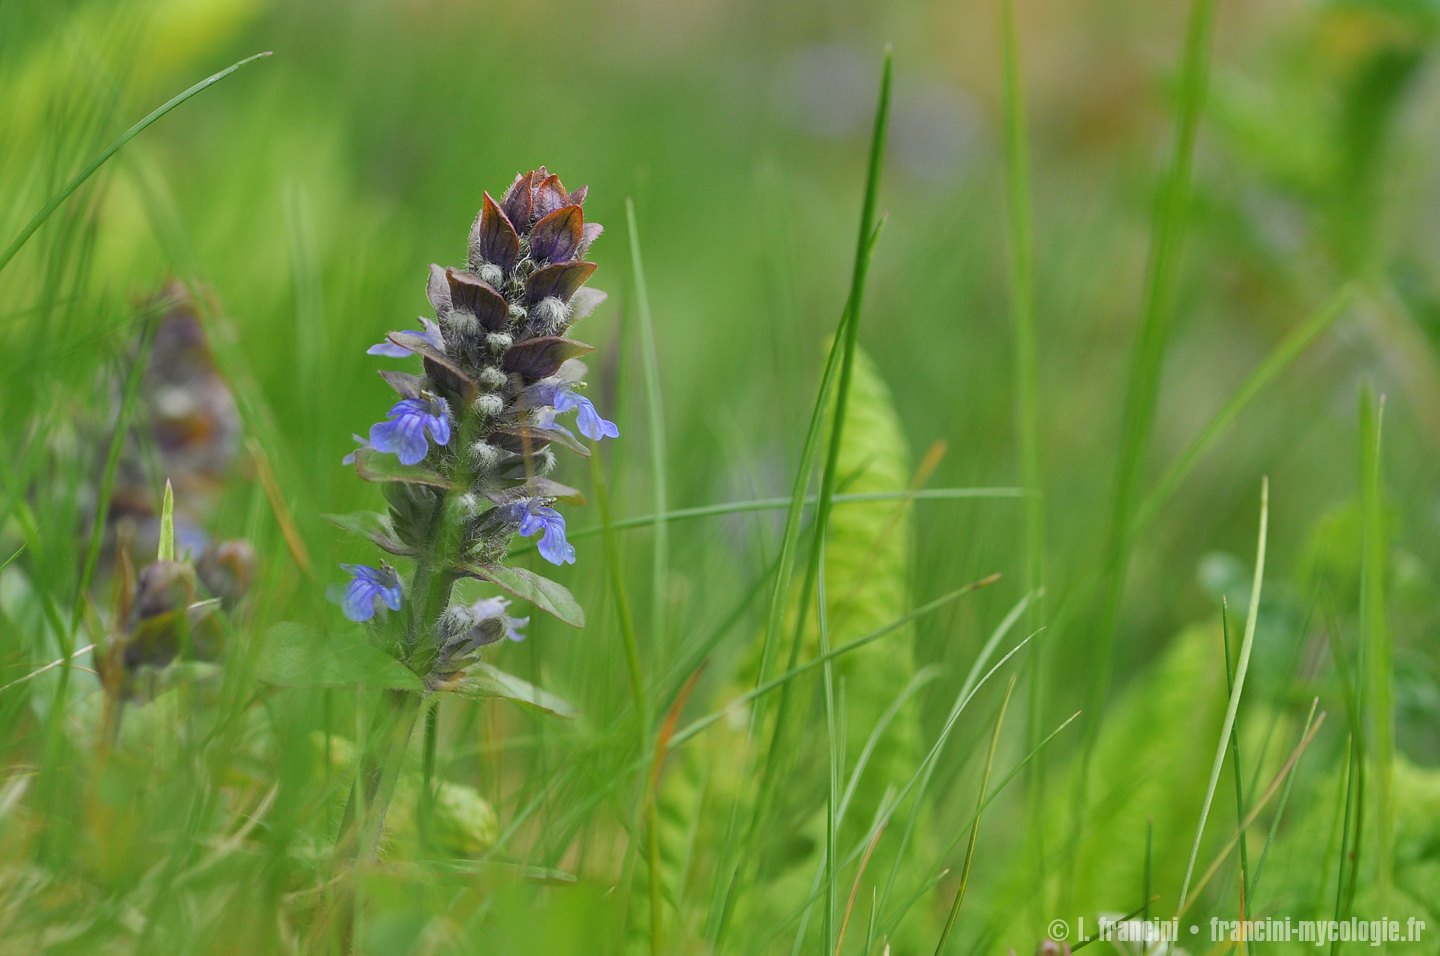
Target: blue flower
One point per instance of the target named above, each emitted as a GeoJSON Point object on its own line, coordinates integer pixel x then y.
{"type": "Point", "coordinates": [494, 609]}
{"type": "Point", "coordinates": [363, 442]}
{"type": "Point", "coordinates": [591, 425]}
{"type": "Point", "coordinates": [357, 599]}
{"type": "Point", "coordinates": [404, 431]}
{"type": "Point", "coordinates": [561, 395]}
{"type": "Point", "coordinates": [534, 516]}
{"type": "Point", "coordinates": [388, 349]}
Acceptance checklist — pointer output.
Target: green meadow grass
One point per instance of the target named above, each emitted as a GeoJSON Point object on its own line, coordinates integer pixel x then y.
{"type": "Point", "coordinates": [970, 388]}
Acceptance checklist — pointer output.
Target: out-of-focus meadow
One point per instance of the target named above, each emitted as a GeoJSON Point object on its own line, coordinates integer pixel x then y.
{"type": "Point", "coordinates": [300, 202]}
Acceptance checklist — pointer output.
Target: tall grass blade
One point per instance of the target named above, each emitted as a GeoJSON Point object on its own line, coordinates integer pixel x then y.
{"type": "Point", "coordinates": [1167, 240]}
{"type": "Point", "coordinates": [775, 504]}
{"type": "Point", "coordinates": [628, 641]}
{"type": "Point", "coordinates": [894, 919]}
{"type": "Point", "coordinates": [654, 409]}
{"type": "Point", "coordinates": [975, 827]}
{"type": "Point", "coordinates": [927, 768]}
{"type": "Point", "coordinates": [1027, 402]}
{"type": "Point", "coordinates": [1276, 362]}
{"type": "Point", "coordinates": [779, 681]}
{"type": "Point", "coordinates": [1241, 668]}
{"type": "Point", "coordinates": [1235, 758]}
{"type": "Point", "coordinates": [1279, 811]}
{"type": "Point", "coordinates": [1375, 638]}
{"type": "Point", "coordinates": [1279, 359]}
{"type": "Point", "coordinates": [79, 179]}
{"type": "Point", "coordinates": [1264, 798]}
{"type": "Point", "coordinates": [843, 343]}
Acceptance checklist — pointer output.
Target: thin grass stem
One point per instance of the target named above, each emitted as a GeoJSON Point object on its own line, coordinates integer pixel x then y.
{"type": "Point", "coordinates": [79, 179]}
{"type": "Point", "coordinates": [658, 455]}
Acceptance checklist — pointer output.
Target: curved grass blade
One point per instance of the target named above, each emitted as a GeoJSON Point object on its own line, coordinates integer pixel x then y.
{"type": "Point", "coordinates": [927, 768]}
{"type": "Point", "coordinates": [69, 188]}
{"type": "Point", "coordinates": [1279, 811]}
{"type": "Point", "coordinates": [765, 688]}
{"type": "Point", "coordinates": [900, 911]}
{"type": "Point", "coordinates": [1276, 781]}
{"type": "Point", "coordinates": [975, 827]}
{"type": "Point", "coordinates": [1241, 667]}
{"type": "Point", "coordinates": [1235, 761]}
{"type": "Point", "coordinates": [1276, 362]}
{"type": "Point", "coordinates": [728, 870]}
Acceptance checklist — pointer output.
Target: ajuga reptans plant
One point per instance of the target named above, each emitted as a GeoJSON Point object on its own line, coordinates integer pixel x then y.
{"type": "Point", "coordinates": [464, 455]}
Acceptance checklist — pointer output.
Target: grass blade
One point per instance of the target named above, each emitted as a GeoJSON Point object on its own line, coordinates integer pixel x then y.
{"type": "Point", "coordinates": [900, 911]}
{"type": "Point", "coordinates": [1235, 755]}
{"type": "Point", "coordinates": [776, 504]}
{"type": "Point", "coordinates": [632, 651]}
{"type": "Point", "coordinates": [765, 688]}
{"type": "Point", "coordinates": [1279, 778]}
{"type": "Point", "coordinates": [1375, 637]}
{"type": "Point", "coordinates": [869, 232]}
{"type": "Point", "coordinates": [967, 690]}
{"type": "Point", "coordinates": [1279, 811]}
{"type": "Point", "coordinates": [1167, 238]}
{"type": "Point", "coordinates": [1241, 667]}
{"type": "Point", "coordinates": [975, 827]}
{"type": "Point", "coordinates": [655, 412]}
{"type": "Point", "coordinates": [69, 188]}
{"type": "Point", "coordinates": [1276, 362]}
{"type": "Point", "coordinates": [1027, 399]}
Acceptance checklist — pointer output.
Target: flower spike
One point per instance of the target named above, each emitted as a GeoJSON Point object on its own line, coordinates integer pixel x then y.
{"type": "Point", "coordinates": [475, 433]}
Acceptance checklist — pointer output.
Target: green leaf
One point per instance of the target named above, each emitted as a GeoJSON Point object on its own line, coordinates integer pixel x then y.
{"type": "Point", "coordinates": [373, 526]}
{"type": "Point", "coordinates": [167, 526]}
{"type": "Point", "coordinates": [482, 680]}
{"type": "Point", "coordinates": [545, 594]}
{"type": "Point", "coordinates": [372, 465]}
{"type": "Point", "coordinates": [300, 656]}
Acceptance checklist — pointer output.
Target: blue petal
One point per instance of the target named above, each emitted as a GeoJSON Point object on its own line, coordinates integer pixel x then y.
{"type": "Point", "coordinates": [405, 436]}
{"type": "Point", "coordinates": [432, 334]}
{"type": "Point", "coordinates": [564, 399]}
{"type": "Point", "coordinates": [553, 546]}
{"type": "Point", "coordinates": [389, 350]}
{"type": "Point", "coordinates": [363, 571]}
{"type": "Point", "coordinates": [512, 626]}
{"type": "Point", "coordinates": [439, 429]}
{"type": "Point", "coordinates": [530, 524]}
{"type": "Point", "coordinates": [591, 425]}
{"type": "Point", "coordinates": [359, 603]}
{"type": "Point", "coordinates": [391, 597]}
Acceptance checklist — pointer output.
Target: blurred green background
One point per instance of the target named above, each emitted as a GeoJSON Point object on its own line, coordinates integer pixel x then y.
{"type": "Point", "coordinates": [310, 191]}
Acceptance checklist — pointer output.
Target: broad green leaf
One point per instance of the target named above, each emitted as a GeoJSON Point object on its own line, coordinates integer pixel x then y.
{"type": "Point", "coordinates": [373, 526]}
{"type": "Point", "coordinates": [482, 680]}
{"type": "Point", "coordinates": [300, 656]}
{"type": "Point", "coordinates": [372, 465]}
{"type": "Point", "coordinates": [545, 594]}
